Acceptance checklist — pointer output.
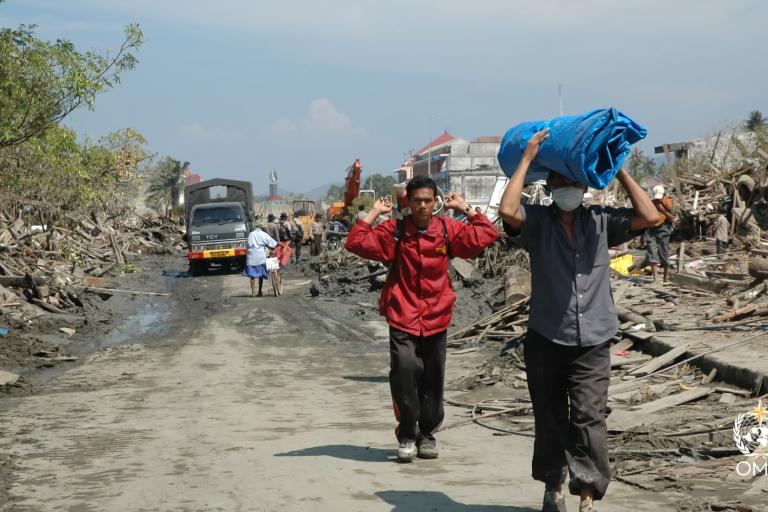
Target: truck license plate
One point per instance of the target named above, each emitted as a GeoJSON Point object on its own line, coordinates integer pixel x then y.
{"type": "Point", "coordinates": [219, 254]}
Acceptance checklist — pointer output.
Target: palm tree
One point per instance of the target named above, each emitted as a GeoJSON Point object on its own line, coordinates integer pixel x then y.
{"type": "Point", "coordinates": [165, 184]}
{"type": "Point", "coordinates": [755, 121]}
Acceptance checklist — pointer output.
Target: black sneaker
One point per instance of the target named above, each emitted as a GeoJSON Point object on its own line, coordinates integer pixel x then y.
{"type": "Point", "coordinates": [427, 447]}
{"type": "Point", "coordinates": [553, 502]}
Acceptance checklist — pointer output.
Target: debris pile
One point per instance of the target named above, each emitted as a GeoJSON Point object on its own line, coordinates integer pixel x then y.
{"type": "Point", "coordinates": [678, 381]}
{"type": "Point", "coordinates": [52, 280]}
{"type": "Point", "coordinates": [45, 270]}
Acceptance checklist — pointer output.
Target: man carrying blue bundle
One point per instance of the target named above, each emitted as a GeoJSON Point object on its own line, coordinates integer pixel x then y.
{"type": "Point", "coordinates": [572, 319]}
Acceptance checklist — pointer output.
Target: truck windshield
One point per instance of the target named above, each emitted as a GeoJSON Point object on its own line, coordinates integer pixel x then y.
{"type": "Point", "coordinates": [216, 215]}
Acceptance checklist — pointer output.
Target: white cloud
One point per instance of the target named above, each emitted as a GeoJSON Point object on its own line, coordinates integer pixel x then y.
{"type": "Point", "coordinates": [323, 120]}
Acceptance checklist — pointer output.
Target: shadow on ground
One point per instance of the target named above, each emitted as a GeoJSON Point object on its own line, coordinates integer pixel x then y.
{"type": "Point", "coordinates": [423, 501]}
{"type": "Point", "coordinates": [344, 451]}
{"type": "Point", "coordinates": [367, 378]}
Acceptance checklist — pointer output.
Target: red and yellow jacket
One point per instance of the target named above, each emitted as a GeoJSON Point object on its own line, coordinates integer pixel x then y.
{"type": "Point", "coordinates": [418, 296]}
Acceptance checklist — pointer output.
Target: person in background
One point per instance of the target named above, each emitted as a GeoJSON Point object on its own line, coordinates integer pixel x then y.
{"type": "Point", "coordinates": [317, 229]}
{"type": "Point", "coordinates": [298, 238]}
{"type": "Point", "coordinates": [571, 323]}
{"type": "Point", "coordinates": [256, 259]}
{"type": "Point", "coordinates": [272, 229]}
{"type": "Point", "coordinates": [418, 300]}
{"type": "Point", "coordinates": [721, 226]}
{"type": "Point", "coordinates": [657, 237]}
{"type": "Point", "coordinates": [361, 214]}
{"type": "Point", "coordinates": [286, 228]}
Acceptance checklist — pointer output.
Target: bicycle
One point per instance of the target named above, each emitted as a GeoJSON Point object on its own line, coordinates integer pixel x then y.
{"type": "Point", "coordinates": [275, 279]}
{"type": "Point", "coordinates": [281, 256]}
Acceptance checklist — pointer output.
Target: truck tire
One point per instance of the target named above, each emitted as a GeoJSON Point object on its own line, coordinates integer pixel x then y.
{"type": "Point", "coordinates": [197, 268]}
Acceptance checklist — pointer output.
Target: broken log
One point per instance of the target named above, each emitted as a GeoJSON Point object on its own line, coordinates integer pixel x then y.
{"type": "Point", "coordinates": [22, 281]}
{"type": "Point", "coordinates": [661, 361]}
{"type": "Point", "coordinates": [116, 290]}
{"type": "Point", "coordinates": [736, 314]}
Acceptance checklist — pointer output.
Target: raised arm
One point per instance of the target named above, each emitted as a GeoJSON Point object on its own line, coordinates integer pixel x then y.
{"type": "Point", "coordinates": [373, 244]}
{"type": "Point", "coordinates": [468, 240]}
{"type": "Point", "coordinates": [646, 214]}
{"type": "Point", "coordinates": [509, 206]}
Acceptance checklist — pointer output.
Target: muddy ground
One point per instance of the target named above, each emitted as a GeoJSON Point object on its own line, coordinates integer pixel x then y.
{"type": "Point", "coordinates": [37, 349]}
{"type": "Point", "coordinates": [234, 403]}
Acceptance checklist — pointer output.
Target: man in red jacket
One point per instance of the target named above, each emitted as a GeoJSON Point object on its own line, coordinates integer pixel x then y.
{"type": "Point", "coordinates": [417, 301]}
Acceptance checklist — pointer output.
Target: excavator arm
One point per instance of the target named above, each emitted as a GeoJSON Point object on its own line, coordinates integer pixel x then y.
{"type": "Point", "coordinates": [352, 183]}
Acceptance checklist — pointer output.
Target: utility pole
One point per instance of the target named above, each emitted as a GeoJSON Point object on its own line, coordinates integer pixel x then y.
{"type": "Point", "coordinates": [429, 148]}
{"type": "Point", "coordinates": [560, 95]}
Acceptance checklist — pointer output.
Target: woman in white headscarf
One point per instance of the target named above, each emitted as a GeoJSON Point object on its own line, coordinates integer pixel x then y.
{"type": "Point", "coordinates": [256, 260]}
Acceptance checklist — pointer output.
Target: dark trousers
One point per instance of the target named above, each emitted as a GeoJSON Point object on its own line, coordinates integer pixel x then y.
{"type": "Point", "coordinates": [722, 246]}
{"type": "Point", "coordinates": [317, 244]}
{"type": "Point", "coordinates": [416, 377]}
{"type": "Point", "coordinates": [297, 249]}
{"type": "Point", "coordinates": [569, 391]}
{"type": "Point", "coordinates": [657, 244]}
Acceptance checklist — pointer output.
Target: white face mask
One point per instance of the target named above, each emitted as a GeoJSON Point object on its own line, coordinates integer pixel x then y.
{"type": "Point", "coordinates": [568, 198]}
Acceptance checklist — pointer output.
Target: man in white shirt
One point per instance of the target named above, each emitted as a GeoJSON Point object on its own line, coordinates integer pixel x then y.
{"type": "Point", "coordinates": [256, 260]}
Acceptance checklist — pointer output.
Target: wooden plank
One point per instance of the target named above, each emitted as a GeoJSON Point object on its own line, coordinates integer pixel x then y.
{"type": "Point", "coordinates": [671, 401]}
{"type": "Point", "coordinates": [697, 282]}
{"type": "Point", "coordinates": [621, 289]}
{"type": "Point", "coordinates": [734, 391]}
{"type": "Point", "coordinates": [661, 361]}
{"type": "Point", "coordinates": [622, 346]}
{"type": "Point", "coordinates": [624, 387]}
{"type": "Point", "coordinates": [618, 361]}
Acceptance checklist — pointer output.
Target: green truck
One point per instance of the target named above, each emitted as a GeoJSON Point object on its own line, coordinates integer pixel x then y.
{"type": "Point", "coordinates": [219, 216]}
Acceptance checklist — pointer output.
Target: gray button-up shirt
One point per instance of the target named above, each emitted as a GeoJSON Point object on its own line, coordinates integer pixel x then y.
{"type": "Point", "coordinates": [571, 301]}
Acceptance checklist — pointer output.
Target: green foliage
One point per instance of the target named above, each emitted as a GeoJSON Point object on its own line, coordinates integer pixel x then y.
{"type": "Point", "coordinates": [366, 201]}
{"type": "Point", "coordinates": [755, 121]}
{"type": "Point", "coordinates": [165, 184]}
{"type": "Point", "coordinates": [381, 184]}
{"type": "Point", "coordinates": [640, 166]}
{"type": "Point", "coordinates": [41, 82]}
{"type": "Point", "coordinates": [335, 193]}
{"type": "Point", "coordinates": [71, 255]}
{"type": "Point", "coordinates": [54, 174]}
{"type": "Point", "coordinates": [129, 268]}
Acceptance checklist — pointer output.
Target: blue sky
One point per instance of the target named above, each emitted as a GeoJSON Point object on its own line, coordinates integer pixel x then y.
{"type": "Point", "coordinates": [239, 87]}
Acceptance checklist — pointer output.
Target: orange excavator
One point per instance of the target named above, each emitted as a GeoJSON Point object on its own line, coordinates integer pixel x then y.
{"type": "Point", "coordinates": [339, 209]}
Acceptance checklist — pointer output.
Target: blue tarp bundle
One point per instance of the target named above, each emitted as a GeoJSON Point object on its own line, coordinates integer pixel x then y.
{"type": "Point", "coordinates": [589, 148]}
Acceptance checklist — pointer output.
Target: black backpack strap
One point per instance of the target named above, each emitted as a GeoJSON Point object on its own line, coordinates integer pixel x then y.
{"type": "Point", "coordinates": [447, 241]}
{"type": "Point", "coordinates": [398, 236]}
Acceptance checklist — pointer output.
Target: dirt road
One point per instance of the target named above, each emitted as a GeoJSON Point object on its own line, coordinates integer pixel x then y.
{"type": "Point", "coordinates": [265, 405]}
